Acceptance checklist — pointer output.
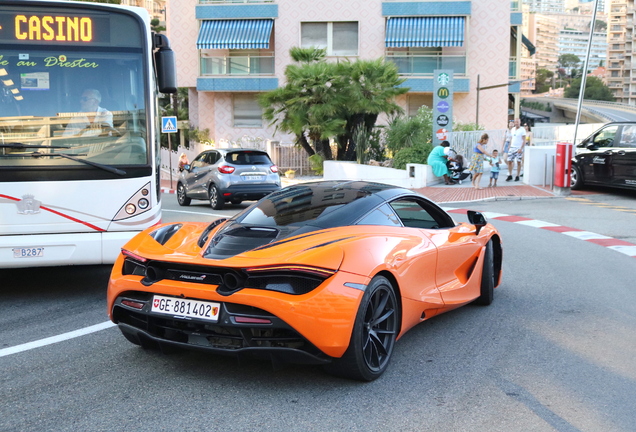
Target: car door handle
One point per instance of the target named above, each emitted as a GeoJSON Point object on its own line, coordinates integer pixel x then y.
{"type": "Point", "coordinates": [608, 152]}
{"type": "Point", "coordinates": [621, 152]}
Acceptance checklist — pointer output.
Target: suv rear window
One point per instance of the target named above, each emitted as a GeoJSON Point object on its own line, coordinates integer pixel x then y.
{"type": "Point", "coordinates": [248, 158]}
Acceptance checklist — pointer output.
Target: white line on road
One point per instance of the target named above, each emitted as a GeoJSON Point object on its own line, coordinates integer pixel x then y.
{"type": "Point", "coordinates": [55, 339]}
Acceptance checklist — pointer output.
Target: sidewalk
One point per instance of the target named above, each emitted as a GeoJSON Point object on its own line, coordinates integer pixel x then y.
{"type": "Point", "coordinates": [442, 193]}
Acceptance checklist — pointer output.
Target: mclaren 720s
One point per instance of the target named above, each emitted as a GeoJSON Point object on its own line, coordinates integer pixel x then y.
{"type": "Point", "coordinates": [325, 272]}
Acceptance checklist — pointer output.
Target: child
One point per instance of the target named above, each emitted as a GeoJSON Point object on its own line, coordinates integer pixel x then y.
{"type": "Point", "coordinates": [494, 170]}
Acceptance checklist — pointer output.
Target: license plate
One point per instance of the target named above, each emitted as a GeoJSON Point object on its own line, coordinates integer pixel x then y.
{"type": "Point", "coordinates": [186, 308]}
{"type": "Point", "coordinates": [253, 177]}
{"type": "Point", "coordinates": [33, 252]}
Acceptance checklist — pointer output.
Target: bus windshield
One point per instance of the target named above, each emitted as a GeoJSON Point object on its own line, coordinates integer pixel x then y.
{"type": "Point", "coordinates": [72, 88]}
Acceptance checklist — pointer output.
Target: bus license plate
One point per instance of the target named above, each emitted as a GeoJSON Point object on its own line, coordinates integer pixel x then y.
{"type": "Point", "coordinates": [32, 252]}
{"type": "Point", "coordinates": [186, 308]}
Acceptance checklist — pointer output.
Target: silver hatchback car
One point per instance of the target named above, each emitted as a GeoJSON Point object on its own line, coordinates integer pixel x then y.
{"type": "Point", "coordinates": [228, 175]}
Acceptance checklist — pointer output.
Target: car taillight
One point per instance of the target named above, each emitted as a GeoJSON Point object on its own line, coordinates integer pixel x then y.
{"type": "Point", "coordinates": [225, 169]}
{"type": "Point", "coordinates": [274, 168]}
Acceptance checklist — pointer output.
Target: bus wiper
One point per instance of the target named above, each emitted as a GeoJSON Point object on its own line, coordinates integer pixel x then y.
{"type": "Point", "coordinates": [84, 161]}
{"type": "Point", "coordinates": [34, 146]}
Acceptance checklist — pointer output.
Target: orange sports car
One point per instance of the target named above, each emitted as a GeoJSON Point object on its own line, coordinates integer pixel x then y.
{"type": "Point", "coordinates": [326, 272]}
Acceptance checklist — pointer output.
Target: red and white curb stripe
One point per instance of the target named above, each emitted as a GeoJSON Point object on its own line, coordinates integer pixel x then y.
{"type": "Point", "coordinates": [621, 246]}
{"type": "Point", "coordinates": [168, 191]}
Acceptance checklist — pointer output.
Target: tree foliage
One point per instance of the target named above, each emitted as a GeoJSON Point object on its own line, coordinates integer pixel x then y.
{"type": "Point", "coordinates": [569, 60]}
{"type": "Point", "coordinates": [155, 27]}
{"type": "Point", "coordinates": [543, 80]}
{"type": "Point", "coordinates": [594, 89]}
{"type": "Point", "coordinates": [324, 100]}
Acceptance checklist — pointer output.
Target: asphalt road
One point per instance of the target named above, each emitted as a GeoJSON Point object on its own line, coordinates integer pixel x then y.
{"type": "Point", "coordinates": [554, 352]}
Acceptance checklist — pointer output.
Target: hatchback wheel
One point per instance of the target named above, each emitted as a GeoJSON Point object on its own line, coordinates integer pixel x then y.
{"type": "Point", "coordinates": [216, 200]}
{"type": "Point", "coordinates": [182, 198]}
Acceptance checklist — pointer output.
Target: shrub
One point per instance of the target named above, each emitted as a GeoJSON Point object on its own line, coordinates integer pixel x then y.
{"type": "Point", "coordinates": [418, 153]}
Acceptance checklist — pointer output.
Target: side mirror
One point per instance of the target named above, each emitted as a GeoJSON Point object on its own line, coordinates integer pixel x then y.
{"type": "Point", "coordinates": [187, 167]}
{"type": "Point", "coordinates": [165, 65]}
{"type": "Point", "coordinates": [477, 219]}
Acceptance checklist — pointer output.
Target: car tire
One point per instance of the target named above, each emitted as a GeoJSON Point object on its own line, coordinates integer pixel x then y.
{"type": "Point", "coordinates": [216, 200]}
{"type": "Point", "coordinates": [487, 277]}
{"type": "Point", "coordinates": [182, 198]}
{"type": "Point", "coordinates": [576, 180]}
{"type": "Point", "coordinates": [374, 332]}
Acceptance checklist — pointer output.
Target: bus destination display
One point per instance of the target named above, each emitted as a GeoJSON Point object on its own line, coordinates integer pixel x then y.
{"type": "Point", "coordinates": [20, 27]}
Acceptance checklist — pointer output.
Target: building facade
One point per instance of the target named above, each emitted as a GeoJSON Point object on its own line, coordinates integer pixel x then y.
{"type": "Point", "coordinates": [621, 69]}
{"type": "Point", "coordinates": [576, 41]}
{"type": "Point", "coordinates": [228, 52]}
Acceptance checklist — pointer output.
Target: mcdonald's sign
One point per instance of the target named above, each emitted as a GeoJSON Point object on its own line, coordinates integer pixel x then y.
{"type": "Point", "coordinates": [443, 92]}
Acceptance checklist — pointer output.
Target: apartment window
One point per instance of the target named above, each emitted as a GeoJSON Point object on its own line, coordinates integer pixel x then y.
{"type": "Point", "coordinates": [339, 38]}
{"type": "Point", "coordinates": [247, 111]}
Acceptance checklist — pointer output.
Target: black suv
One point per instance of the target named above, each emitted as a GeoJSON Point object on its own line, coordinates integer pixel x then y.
{"type": "Point", "coordinates": [607, 157]}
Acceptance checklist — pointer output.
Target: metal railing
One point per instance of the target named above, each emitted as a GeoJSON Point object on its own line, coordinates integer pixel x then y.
{"type": "Point", "coordinates": [244, 65]}
{"type": "Point", "coordinates": [408, 64]}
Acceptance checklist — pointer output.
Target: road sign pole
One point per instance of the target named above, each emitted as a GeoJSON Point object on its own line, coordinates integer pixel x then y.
{"type": "Point", "coordinates": [170, 159]}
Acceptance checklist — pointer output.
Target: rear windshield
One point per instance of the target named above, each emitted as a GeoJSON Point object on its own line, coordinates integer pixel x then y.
{"type": "Point", "coordinates": [248, 158]}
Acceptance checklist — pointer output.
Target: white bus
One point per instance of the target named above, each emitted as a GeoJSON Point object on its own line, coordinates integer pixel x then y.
{"type": "Point", "coordinates": [79, 142]}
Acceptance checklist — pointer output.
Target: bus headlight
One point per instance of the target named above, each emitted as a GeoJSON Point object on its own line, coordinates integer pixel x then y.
{"type": "Point", "coordinates": [137, 204]}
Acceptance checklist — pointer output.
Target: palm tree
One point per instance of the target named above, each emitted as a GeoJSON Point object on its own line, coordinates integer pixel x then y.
{"type": "Point", "coordinates": [371, 86]}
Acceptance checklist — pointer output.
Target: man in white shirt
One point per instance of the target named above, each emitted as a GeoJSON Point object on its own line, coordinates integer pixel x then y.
{"type": "Point", "coordinates": [94, 117]}
{"type": "Point", "coordinates": [515, 153]}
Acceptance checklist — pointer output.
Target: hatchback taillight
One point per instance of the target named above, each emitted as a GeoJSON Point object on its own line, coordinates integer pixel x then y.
{"type": "Point", "coordinates": [274, 168]}
{"type": "Point", "coordinates": [225, 169]}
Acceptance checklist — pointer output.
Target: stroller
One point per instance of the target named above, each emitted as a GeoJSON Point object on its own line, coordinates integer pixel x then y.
{"type": "Point", "coordinates": [456, 167]}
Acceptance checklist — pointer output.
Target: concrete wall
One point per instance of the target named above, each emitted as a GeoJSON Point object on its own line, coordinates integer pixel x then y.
{"type": "Point", "coordinates": [413, 177]}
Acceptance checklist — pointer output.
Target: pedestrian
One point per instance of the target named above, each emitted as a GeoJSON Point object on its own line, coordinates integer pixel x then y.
{"type": "Point", "coordinates": [183, 161]}
{"type": "Point", "coordinates": [477, 161]}
{"type": "Point", "coordinates": [438, 159]}
{"type": "Point", "coordinates": [506, 145]}
{"type": "Point", "coordinates": [494, 168]}
{"type": "Point", "coordinates": [529, 136]}
{"type": "Point", "coordinates": [515, 153]}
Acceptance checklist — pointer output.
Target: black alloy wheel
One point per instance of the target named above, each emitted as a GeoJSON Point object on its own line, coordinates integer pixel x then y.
{"type": "Point", "coordinates": [374, 333]}
{"type": "Point", "coordinates": [487, 277]}
{"type": "Point", "coordinates": [216, 200]}
{"type": "Point", "coordinates": [182, 199]}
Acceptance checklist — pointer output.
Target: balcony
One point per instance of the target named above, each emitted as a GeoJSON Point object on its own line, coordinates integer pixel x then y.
{"type": "Point", "coordinates": [423, 65]}
{"type": "Point", "coordinates": [512, 68]}
{"type": "Point", "coordinates": [237, 65]}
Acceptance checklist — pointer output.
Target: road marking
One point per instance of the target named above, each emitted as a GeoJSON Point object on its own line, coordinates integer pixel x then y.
{"type": "Point", "coordinates": [617, 245]}
{"type": "Point", "coordinates": [55, 339]}
{"type": "Point", "coordinates": [196, 213]}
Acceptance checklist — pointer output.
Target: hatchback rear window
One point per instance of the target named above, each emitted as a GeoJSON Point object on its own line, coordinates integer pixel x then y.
{"type": "Point", "coordinates": [248, 158]}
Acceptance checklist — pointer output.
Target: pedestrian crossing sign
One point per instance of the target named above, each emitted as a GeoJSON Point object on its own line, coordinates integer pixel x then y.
{"type": "Point", "coordinates": [169, 124]}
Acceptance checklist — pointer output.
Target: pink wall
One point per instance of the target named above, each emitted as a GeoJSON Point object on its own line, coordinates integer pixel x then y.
{"type": "Point", "coordinates": [488, 42]}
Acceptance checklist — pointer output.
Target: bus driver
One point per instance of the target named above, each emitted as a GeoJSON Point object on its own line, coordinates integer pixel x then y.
{"type": "Point", "coordinates": [94, 117]}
